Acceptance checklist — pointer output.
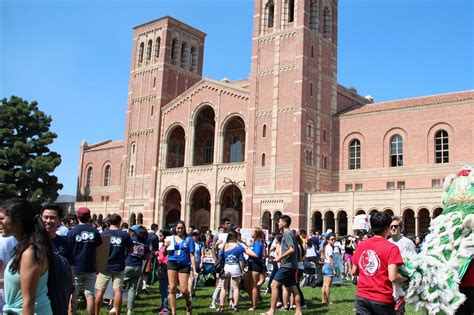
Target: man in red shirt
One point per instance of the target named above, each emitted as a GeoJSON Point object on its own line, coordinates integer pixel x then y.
{"type": "Point", "coordinates": [376, 260]}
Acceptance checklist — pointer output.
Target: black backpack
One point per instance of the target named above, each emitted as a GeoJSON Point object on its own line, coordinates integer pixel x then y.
{"type": "Point", "coordinates": [60, 284]}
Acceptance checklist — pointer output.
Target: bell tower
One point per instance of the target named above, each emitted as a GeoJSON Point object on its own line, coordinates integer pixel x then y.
{"type": "Point", "coordinates": [293, 97]}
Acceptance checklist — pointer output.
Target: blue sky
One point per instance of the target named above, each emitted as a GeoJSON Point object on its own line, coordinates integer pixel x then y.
{"type": "Point", "coordinates": [73, 56]}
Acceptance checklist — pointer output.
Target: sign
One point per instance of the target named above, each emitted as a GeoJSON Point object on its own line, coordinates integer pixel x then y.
{"type": "Point", "coordinates": [102, 254]}
{"type": "Point", "coordinates": [361, 222]}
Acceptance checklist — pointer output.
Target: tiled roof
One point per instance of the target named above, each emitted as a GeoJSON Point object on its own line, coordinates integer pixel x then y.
{"type": "Point", "coordinates": [412, 102]}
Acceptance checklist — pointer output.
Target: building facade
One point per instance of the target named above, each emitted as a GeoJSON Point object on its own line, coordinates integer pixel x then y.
{"type": "Point", "coordinates": [287, 140]}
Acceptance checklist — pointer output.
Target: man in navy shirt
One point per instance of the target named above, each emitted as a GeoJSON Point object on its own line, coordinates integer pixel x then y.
{"type": "Point", "coordinates": [120, 244]}
{"type": "Point", "coordinates": [84, 239]}
{"type": "Point", "coordinates": [51, 215]}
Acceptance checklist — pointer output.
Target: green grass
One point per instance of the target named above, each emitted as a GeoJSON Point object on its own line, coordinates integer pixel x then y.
{"type": "Point", "coordinates": [341, 296]}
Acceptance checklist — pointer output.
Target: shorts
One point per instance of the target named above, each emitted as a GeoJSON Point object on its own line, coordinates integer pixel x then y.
{"type": "Point", "coordinates": [347, 257]}
{"type": "Point", "coordinates": [328, 271]}
{"type": "Point", "coordinates": [256, 266]}
{"type": "Point", "coordinates": [103, 279]}
{"type": "Point", "coordinates": [180, 268]}
{"type": "Point", "coordinates": [285, 276]}
{"type": "Point", "coordinates": [84, 281]}
{"type": "Point", "coordinates": [368, 307]}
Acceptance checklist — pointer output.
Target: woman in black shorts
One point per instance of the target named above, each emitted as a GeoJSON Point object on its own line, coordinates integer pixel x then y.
{"type": "Point", "coordinates": [256, 266]}
{"type": "Point", "coordinates": [181, 260]}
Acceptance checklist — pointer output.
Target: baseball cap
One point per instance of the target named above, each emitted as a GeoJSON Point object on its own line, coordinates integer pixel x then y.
{"type": "Point", "coordinates": [83, 211]}
{"type": "Point", "coordinates": [135, 227]}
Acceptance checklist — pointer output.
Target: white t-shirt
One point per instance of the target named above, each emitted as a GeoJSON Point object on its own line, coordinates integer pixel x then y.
{"type": "Point", "coordinates": [405, 245]}
{"type": "Point", "coordinates": [328, 252]}
{"type": "Point", "coordinates": [6, 247]}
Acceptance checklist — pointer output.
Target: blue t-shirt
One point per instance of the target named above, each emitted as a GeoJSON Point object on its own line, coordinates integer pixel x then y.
{"type": "Point", "coordinates": [138, 254]}
{"type": "Point", "coordinates": [61, 246]}
{"type": "Point", "coordinates": [257, 248]}
{"type": "Point", "coordinates": [181, 251]}
{"type": "Point", "coordinates": [197, 251]}
{"type": "Point", "coordinates": [83, 240]}
{"type": "Point", "coordinates": [120, 241]}
{"type": "Point", "coordinates": [233, 256]}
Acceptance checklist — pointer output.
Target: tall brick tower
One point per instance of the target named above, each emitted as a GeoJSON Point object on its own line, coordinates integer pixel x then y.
{"type": "Point", "coordinates": [293, 97]}
{"type": "Point", "coordinates": [167, 57]}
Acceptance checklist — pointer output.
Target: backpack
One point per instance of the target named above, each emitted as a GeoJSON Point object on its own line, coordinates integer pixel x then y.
{"type": "Point", "coordinates": [60, 284]}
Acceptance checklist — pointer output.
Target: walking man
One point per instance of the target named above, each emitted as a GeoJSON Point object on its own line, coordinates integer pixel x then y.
{"type": "Point", "coordinates": [286, 275]}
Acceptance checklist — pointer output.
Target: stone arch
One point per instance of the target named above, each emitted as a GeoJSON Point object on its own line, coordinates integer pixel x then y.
{"type": "Point", "coordinates": [204, 134]}
{"type": "Point", "coordinates": [200, 214]}
{"type": "Point", "coordinates": [329, 218]}
{"type": "Point", "coordinates": [389, 211]}
{"type": "Point", "coordinates": [107, 173]}
{"type": "Point", "coordinates": [132, 220]}
{"type": "Point", "coordinates": [231, 204]}
{"type": "Point", "coordinates": [267, 220]}
{"type": "Point", "coordinates": [360, 211]}
{"type": "Point", "coordinates": [317, 221]}
{"type": "Point", "coordinates": [175, 146]}
{"type": "Point", "coordinates": [94, 217]}
{"type": "Point", "coordinates": [437, 211]}
{"type": "Point", "coordinates": [171, 206]}
{"type": "Point", "coordinates": [423, 220]}
{"type": "Point", "coordinates": [140, 218]}
{"type": "Point", "coordinates": [276, 216]}
{"type": "Point", "coordinates": [234, 139]}
{"type": "Point", "coordinates": [372, 211]}
{"type": "Point", "coordinates": [342, 222]}
{"type": "Point", "coordinates": [408, 218]}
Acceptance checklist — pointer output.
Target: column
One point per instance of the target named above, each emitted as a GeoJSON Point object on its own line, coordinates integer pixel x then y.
{"type": "Point", "coordinates": [220, 148]}
{"type": "Point", "coordinates": [336, 226]}
{"type": "Point", "coordinates": [161, 215]}
{"type": "Point", "coordinates": [324, 225]}
{"type": "Point", "coordinates": [186, 216]}
{"type": "Point", "coordinates": [190, 145]}
{"type": "Point", "coordinates": [215, 216]}
{"type": "Point", "coordinates": [416, 225]}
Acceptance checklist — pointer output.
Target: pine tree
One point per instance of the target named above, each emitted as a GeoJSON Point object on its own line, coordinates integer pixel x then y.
{"type": "Point", "coordinates": [26, 163]}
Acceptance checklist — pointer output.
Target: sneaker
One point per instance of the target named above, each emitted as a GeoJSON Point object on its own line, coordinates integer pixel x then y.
{"type": "Point", "coordinates": [164, 310]}
{"type": "Point", "coordinates": [279, 304]}
{"type": "Point", "coordinates": [178, 295]}
{"type": "Point", "coordinates": [129, 311]}
{"type": "Point", "coordinates": [193, 297]}
{"type": "Point", "coordinates": [252, 309]}
{"type": "Point", "coordinates": [212, 306]}
{"type": "Point", "coordinates": [112, 311]}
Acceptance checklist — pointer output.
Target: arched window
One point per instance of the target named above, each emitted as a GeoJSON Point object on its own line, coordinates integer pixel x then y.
{"type": "Point", "coordinates": [208, 151]}
{"type": "Point", "coordinates": [309, 158]}
{"type": "Point", "coordinates": [310, 130]}
{"type": "Point", "coordinates": [441, 147]}
{"type": "Point", "coordinates": [270, 10]}
{"type": "Point", "coordinates": [291, 10]}
{"type": "Point", "coordinates": [183, 55]}
{"type": "Point", "coordinates": [174, 50]}
{"type": "Point", "coordinates": [264, 130]}
{"type": "Point", "coordinates": [192, 59]}
{"type": "Point", "coordinates": [157, 47]}
{"type": "Point", "coordinates": [236, 150]}
{"type": "Point", "coordinates": [140, 218]}
{"type": "Point", "coordinates": [140, 52]}
{"type": "Point", "coordinates": [396, 151]}
{"type": "Point", "coordinates": [263, 159]}
{"type": "Point", "coordinates": [107, 176]}
{"type": "Point", "coordinates": [89, 174]}
{"type": "Point", "coordinates": [327, 23]}
{"type": "Point", "coordinates": [132, 170]}
{"type": "Point", "coordinates": [324, 162]}
{"type": "Point", "coordinates": [148, 49]}
{"type": "Point", "coordinates": [313, 15]}
{"type": "Point", "coordinates": [133, 148]}
{"type": "Point", "coordinates": [354, 154]}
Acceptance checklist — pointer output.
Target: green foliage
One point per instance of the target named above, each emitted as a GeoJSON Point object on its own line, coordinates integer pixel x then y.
{"type": "Point", "coordinates": [26, 162]}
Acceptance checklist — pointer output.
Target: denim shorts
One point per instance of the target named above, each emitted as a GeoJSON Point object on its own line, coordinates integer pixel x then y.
{"type": "Point", "coordinates": [327, 270]}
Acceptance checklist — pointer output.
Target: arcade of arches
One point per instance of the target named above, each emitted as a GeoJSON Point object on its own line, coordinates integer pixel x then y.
{"type": "Point", "coordinates": [199, 208]}
{"type": "Point", "coordinates": [413, 224]}
{"type": "Point", "coordinates": [202, 146]}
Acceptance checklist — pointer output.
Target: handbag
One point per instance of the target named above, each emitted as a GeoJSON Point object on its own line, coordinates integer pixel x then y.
{"type": "Point", "coordinates": [219, 265]}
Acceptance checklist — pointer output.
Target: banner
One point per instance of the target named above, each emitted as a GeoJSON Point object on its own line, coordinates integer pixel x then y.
{"type": "Point", "coordinates": [361, 222]}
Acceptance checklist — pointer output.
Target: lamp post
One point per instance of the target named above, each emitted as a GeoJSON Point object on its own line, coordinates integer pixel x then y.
{"type": "Point", "coordinates": [240, 183]}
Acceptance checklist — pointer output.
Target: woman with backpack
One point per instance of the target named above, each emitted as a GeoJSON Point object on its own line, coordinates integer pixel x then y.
{"type": "Point", "coordinates": [180, 251]}
{"type": "Point", "coordinates": [26, 275]}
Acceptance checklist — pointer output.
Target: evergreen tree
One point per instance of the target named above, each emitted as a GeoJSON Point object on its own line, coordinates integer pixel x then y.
{"type": "Point", "coordinates": [26, 162]}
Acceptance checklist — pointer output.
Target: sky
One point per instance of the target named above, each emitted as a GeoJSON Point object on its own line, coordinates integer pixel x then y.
{"type": "Point", "coordinates": [73, 56]}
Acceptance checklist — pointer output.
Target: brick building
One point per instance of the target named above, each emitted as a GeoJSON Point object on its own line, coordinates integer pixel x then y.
{"type": "Point", "coordinates": [289, 139]}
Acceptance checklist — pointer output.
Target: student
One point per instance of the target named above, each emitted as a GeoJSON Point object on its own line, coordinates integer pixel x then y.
{"type": "Point", "coordinates": [134, 264]}
{"type": "Point", "coordinates": [376, 260]}
{"type": "Point", "coordinates": [120, 244]}
{"type": "Point", "coordinates": [199, 248]}
{"type": "Point", "coordinates": [6, 248]}
{"type": "Point", "coordinates": [26, 275]}
{"type": "Point", "coordinates": [83, 240]}
{"type": "Point", "coordinates": [329, 270]}
{"type": "Point", "coordinates": [256, 266]}
{"type": "Point", "coordinates": [180, 262]}
{"type": "Point", "coordinates": [289, 264]}
{"type": "Point", "coordinates": [162, 261]}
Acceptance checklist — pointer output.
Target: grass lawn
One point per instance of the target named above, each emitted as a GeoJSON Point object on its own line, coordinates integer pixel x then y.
{"type": "Point", "coordinates": [341, 296]}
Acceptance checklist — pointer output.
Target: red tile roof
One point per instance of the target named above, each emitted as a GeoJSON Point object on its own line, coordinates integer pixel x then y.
{"type": "Point", "coordinates": [412, 102]}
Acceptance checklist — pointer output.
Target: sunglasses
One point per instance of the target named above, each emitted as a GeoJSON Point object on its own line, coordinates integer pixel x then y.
{"type": "Point", "coordinates": [332, 239]}
{"type": "Point", "coordinates": [394, 227]}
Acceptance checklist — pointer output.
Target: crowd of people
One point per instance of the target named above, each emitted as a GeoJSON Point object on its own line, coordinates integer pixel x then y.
{"type": "Point", "coordinates": [34, 243]}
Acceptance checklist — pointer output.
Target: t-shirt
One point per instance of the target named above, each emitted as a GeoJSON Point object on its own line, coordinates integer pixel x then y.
{"type": "Point", "coordinates": [120, 241]}
{"type": "Point", "coordinates": [138, 254]}
{"type": "Point", "coordinates": [289, 240]}
{"type": "Point", "coordinates": [198, 247]}
{"type": "Point", "coordinates": [234, 255]}
{"type": "Point", "coordinates": [61, 246]}
{"type": "Point", "coordinates": [257, 248]}
{"type": "Point", "coordinates": [153, 241]}
{"type": "Point", "coordinates": [372, 257]}
{"type": "Point", "coordinates": [405, 245]}
{"type": "Point", "coordinates": [6, 247]}
{"type": "Point", "coordinates": [180, 251]}
{"type": "Point", "coordinates": [83, 240]}
{"type": "Point", "coordinates": [328, 253]}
